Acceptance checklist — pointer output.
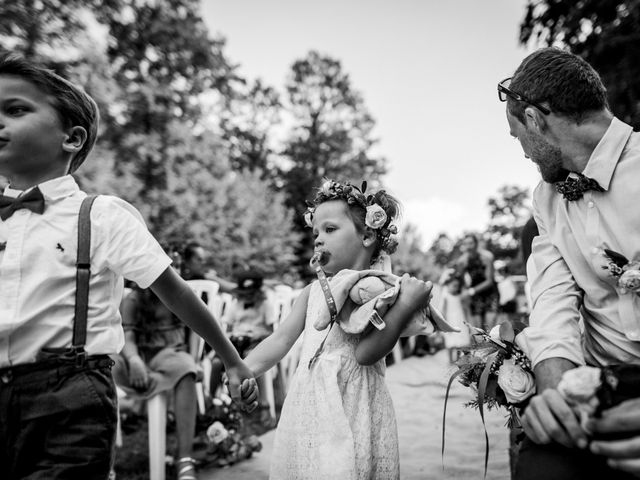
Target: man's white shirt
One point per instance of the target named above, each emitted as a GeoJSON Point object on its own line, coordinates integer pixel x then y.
{"type": "Point", "coordinates": [567, 268]}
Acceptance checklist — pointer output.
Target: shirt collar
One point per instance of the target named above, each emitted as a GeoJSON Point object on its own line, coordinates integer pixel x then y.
{"type": "Point", "coordinates": [54, 189]}
{"type": "Point", "coordinates": [605, 156]}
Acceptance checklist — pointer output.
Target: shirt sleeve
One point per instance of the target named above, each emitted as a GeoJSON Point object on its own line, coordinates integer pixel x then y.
{"type": "Point", "coordinates": [130, 249]}
{"type": "Point", "coordinates": [554, 329]}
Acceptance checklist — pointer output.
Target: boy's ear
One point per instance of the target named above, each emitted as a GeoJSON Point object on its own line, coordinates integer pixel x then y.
{"type": "Point", "coordinates": [74, 139]}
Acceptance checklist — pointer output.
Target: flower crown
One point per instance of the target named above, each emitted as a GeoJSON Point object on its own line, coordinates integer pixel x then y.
{"type": "Point", "coordinates": [375, 205]}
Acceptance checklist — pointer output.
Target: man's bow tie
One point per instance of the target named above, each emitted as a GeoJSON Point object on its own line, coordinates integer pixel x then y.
{"type": "Point", "coordinates": [32, 200]}
{"type": "Point", "coordinates": [574, 187]}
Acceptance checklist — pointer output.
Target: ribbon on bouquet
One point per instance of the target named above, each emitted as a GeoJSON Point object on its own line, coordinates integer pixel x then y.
{"type": "Point", "coordinates": [482, 388]}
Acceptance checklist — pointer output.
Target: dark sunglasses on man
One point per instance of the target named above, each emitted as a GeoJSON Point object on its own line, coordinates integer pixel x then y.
{"type": "Point", "coordinates": [504, 92]}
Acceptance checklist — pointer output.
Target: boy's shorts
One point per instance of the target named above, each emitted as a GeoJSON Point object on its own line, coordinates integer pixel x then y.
{"type": "Point", "coordinates": [57, 420]}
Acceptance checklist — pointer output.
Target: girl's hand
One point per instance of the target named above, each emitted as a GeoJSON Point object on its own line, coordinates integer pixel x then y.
{"type": "Point", "coordinates": [138, 377]}
{"type": "Point", "coordinates": [414, 293]}
{"type": "Point", "coordinates": [242, 386]}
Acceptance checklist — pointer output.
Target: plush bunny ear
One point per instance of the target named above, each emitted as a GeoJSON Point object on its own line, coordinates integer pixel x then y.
{"type": "Point", "coordinates": [363, 187]}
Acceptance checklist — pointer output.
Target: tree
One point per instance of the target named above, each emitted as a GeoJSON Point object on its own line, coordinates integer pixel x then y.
{"type": "Point", "coordinates": [248, 121]}
{"type": "Point", "coordinates": [411, 259]}
{"type": "Point", "coordinates": [331, 135]}
{"type": "Point", "coordinates": [508, 214]}
{"type": "Point", "coordinates": [604, 33]}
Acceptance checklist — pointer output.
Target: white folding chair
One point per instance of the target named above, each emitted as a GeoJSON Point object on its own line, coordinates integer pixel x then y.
{"type": "Point", "coordinates": [157, 405]}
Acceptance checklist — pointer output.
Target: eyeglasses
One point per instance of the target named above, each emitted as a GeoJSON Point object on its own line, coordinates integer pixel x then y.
{"type": "Point", "coordinates": [504, 92]}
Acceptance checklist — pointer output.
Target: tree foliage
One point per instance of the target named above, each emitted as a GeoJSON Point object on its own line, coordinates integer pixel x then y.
{"type": "Point", "coordinates": [508, 211]}
{"type": "Point", "coordinates": [604, 33]}
{"type": "Point", "coordinates": [149, 64]}
{"type": "Point", "coordinates": [331, 135]}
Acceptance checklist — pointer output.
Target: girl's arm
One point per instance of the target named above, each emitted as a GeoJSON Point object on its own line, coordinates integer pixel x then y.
{"type": "Point", "coordinates": [376, 344]}
{"type": "Point", "coordinates": [273, 348]}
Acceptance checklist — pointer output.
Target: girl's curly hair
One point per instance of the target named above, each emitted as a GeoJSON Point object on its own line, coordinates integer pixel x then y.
{"type": "Point", "coordinates": [374, 210]}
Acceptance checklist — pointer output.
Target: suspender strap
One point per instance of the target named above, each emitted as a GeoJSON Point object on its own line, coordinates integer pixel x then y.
{"type": "Point", "coordinates": [83, 272]}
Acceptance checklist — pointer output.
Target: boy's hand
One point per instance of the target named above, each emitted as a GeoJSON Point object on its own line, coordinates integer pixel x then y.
{"type": "Point", "coordinates": [138, 377]}
{"type": "Point", "coordinates": [414, 293]}
{"type": "Point", "coordinates": [242, 386]}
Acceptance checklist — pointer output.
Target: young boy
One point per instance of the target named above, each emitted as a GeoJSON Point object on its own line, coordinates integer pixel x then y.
{"type": "Point", "coordinates": [57, 403]}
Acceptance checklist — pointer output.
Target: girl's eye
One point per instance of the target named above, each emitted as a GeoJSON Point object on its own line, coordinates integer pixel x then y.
{"type": "Point", "coordinates": [330, 228]}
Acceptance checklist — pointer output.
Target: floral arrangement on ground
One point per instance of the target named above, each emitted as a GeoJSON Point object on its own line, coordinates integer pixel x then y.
{"type": "Point", "coordinates": [222, 437]}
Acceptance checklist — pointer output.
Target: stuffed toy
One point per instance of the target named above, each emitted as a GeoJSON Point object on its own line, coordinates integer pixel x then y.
{"type": "Point", "coordinates": [372, 293]}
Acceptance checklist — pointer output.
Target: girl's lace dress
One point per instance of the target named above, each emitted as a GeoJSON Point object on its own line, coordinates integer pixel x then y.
{"type": "Point", "coordinates": [337, 421]}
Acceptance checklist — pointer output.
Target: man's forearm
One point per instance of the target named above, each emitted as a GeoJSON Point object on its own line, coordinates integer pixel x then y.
{"type": "Point", "coordinates": [549, 372]}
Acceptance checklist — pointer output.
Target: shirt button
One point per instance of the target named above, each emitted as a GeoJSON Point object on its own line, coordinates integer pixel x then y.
{"type": "Point", "coordinates": [590, 204]}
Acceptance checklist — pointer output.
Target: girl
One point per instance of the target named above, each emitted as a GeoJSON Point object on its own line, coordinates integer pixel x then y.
{"type": "Point", "coordinates": [454, 311]}
{"type": "Point", "coordinates": [338, 420]}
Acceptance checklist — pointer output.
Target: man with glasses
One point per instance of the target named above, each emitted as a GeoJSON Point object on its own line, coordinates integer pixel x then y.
{"type": "Point", "coordinates": [590, 166]}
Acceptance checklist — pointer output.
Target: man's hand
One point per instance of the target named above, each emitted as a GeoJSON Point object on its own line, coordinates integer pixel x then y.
{"type": "Point", "coordinates": [548, 418]}
{"type": "Point", "coordinates": [138, 377]}
{"type": "Point", "coordinates": [623, 418]}
{"type": "Point", "coordinates": [243, 387]}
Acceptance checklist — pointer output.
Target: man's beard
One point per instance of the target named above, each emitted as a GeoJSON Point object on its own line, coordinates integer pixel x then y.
{"type": "Point", "coordinates": [548, 158]}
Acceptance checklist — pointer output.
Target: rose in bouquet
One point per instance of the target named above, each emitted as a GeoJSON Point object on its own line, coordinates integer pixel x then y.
{"type": "Point", "coordinates": [499, 373]}
{"type": "Point", "coordinates": [590, 390]}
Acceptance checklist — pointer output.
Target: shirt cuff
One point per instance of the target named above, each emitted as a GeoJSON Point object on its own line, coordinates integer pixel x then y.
{"type": "Point", "coordinates": [154, 272]}
{"type": "Point", "coordinates": [540, 346]}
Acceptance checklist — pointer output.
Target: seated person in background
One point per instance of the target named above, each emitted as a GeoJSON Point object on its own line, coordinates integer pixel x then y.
{"type": "Point", "coordinates": [154, 360]}
{"type": "Point", "coordinates": [249, 321]}
{"type": "Point", "coordinates": [194, 267]}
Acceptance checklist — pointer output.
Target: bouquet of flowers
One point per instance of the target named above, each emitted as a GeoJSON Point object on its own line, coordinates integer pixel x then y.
{"type": "Point", "coordinates": [499, 372]}
{"type": "Point", "coordinates": [590, 390]}
{"type": "Point", "coordinates": [223, 439]}
{"type": "Point", "coordinates": [627, 272]}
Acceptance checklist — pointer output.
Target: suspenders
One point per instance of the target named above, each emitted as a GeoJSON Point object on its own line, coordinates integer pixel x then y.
{"type": "Point", "coordinates": [83, 274]}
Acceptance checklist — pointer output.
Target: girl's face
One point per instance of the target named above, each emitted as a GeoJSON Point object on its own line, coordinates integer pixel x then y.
{"type": "Point", "coordinates": [336, 235]}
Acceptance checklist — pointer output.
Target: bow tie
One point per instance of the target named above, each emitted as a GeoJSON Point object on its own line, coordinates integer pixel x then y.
{"type": "Point", "coordinates": [573, 188]}
{"type": "Point", "coordinates": [32, 200]}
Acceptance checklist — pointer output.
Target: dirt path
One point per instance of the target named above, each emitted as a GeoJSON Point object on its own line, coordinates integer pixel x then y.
{"type": "Point", "coordinates": [417, 386]}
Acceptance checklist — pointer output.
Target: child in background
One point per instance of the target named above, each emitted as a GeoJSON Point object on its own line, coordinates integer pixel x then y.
{"type": "Point", "coordinates": [57, 398]}
{"type": "Point", "coordinates": [338, 420]}
{"type": "Point", "coordinates": [454, 311]}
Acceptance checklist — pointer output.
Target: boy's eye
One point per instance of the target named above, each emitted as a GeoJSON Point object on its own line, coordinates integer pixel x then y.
{"type": "Point", "coordinates": [16, 110]}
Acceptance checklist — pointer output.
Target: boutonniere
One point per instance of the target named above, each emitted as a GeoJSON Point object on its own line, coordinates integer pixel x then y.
{"type": "Point", "coordinates": [625, 271]}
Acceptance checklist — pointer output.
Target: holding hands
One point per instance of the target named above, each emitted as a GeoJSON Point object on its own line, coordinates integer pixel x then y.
{"type": "Point", "coordinates": [242, 386]}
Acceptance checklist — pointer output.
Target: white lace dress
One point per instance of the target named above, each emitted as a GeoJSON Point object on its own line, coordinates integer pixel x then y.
{"type": "Point", "coordinates": [337, 421]}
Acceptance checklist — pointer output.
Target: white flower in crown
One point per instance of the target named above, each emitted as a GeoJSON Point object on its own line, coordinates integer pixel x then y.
{"type": "Point", "coordinates": [308, 218]}
{"type": "Point", "coordinates": [376, 217]}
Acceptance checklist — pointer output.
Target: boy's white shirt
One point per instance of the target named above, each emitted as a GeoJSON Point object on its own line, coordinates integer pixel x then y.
{"type": "Point", "coordinates": [37, 271]}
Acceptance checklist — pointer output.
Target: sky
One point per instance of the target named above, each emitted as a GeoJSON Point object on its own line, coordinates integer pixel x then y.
{"type": "Point", "coordinates": [427, 70]}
